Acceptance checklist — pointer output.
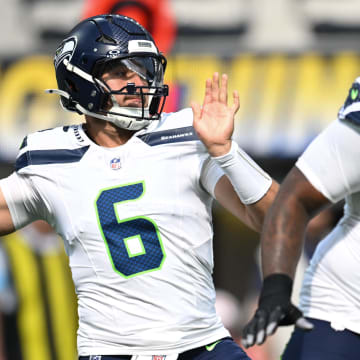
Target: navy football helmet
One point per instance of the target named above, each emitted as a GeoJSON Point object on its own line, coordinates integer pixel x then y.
{"type": "Point", "coordinates": [97, 44]}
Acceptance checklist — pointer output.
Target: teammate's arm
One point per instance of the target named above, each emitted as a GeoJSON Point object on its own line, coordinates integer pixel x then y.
{"type": "Point", "coordinates": [281, 244]}
{"type": "Point", "coordinates": [6, 223]}
{"type": "Point", "coordinates": [296, 203]}
{"type": "Point", "coordinates": [324, 173]}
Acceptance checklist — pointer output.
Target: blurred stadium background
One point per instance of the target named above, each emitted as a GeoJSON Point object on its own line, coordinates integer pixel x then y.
{"type": "Point", "coordinates": [292, 61]}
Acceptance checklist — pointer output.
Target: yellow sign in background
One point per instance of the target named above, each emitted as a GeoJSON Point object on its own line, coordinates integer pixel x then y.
{"type": "Point", "coordinates": [285, 99]}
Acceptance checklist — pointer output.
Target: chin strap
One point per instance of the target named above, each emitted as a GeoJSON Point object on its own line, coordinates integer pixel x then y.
{"type": "Point", "coordinates": [125, 122]}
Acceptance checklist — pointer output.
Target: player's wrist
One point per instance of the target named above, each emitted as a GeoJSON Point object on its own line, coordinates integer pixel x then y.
{"type": "Point", "coordinates": [249, 181]}
{"type": "Point", "coordinates": [276, 290]}
{"type": "Point", "coordinates": [218, 150]}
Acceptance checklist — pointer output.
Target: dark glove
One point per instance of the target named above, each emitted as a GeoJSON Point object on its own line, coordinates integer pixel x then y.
{"type": "Point", "coordinates": [274, 309]}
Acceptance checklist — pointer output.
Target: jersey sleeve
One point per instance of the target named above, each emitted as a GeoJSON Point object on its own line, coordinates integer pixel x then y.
{"type": "Point", "coordinates": [330, 161]}
{"type": "Point", "coordinates": [21, 198]}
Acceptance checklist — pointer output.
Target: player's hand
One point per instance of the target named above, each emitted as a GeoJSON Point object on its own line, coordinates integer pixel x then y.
{"type": "Point", "coordinates": [275, 309]}
{"type": "Point", "coordinates": [214, 121]}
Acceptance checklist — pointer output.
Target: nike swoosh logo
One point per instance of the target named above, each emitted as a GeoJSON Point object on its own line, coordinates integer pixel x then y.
{"type": "Point", "coordinates": [211, 346]}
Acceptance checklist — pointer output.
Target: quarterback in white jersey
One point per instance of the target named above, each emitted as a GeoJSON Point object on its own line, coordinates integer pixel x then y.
{"type": "Point", "coordinates": [130, 192]}
{"type": "Point", "coordinates": [325, 173]}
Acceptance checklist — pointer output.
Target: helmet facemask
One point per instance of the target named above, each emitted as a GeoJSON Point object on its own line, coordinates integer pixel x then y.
{"type": "Point", "coordinates": [152, 94]}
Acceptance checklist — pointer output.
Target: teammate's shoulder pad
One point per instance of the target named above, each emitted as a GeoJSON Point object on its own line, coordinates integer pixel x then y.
{"type": "Point", "coordinates": [350, 112]}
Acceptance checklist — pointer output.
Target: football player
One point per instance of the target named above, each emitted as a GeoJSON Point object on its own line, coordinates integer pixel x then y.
{"type": "Point", "coordinates": [130, 192]}
{"type": "Point", "coordinates": [329, 301]}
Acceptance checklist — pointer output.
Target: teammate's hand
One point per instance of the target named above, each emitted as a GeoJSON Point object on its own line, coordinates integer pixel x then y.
{"type": "Point", "coordinates": [275, 309]}
{"type": "Point", "coordinates": [214, 121]}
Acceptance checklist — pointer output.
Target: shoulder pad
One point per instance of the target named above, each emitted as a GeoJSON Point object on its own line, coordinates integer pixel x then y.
{"type": "Point", "coordinates": [51, 146]}
{"type": "Point", "coordinates": [172, 128]}
{"type": "Point", "coordinates": [350, 111]}
{"type": "Point", "coordinates": [177, 119]}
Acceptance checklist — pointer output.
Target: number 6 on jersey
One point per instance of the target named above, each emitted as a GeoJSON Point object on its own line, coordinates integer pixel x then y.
{"type": "Point", "coordinates": [133, 244]}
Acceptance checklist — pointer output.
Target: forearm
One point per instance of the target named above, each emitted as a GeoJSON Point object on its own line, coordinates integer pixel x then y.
{"type": "Point", "coordinates": [283, 236]}
{"type": "Point", "coordinates": [281, 246]}
{"type": "Point", "coordinates": [249, 181]}
{"type": "Point", "coordinates": [246, 190]}
{"type": "Point", "coordinates": [285, 224]}
{"type": "Point", "coordinates": [255, 213]}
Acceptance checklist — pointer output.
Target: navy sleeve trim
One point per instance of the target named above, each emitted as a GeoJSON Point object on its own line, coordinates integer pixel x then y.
{"type": "Point", "coordinates": [169, 136]}
{"type": "Point", "coordinates": [42, 157]}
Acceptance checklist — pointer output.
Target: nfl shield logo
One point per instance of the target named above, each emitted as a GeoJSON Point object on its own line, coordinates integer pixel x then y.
{"type": "Point", "coordinates": [115, 164]}
{"type": "Point", "coordinates": [158, 357]}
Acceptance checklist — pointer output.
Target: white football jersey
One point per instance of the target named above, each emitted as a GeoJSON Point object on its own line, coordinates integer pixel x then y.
{"type": "Point", "coordinates": [136, 223]}
{"type": "Point", "coordinates": [331, 287]}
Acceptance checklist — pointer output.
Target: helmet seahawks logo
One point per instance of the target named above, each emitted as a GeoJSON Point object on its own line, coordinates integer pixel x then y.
{"type": "Point", "coordinates": [65, 50]}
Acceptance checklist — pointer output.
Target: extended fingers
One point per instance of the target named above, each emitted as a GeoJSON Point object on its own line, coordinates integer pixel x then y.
{"type": "Point", "coordinates": [249, 334]}
{"type": "Point", "coordinates": [215, 91]}
{"type": "Point", "coordinates": [274, 319]}
{"type": "Point", "coordinates": [236, 104]}
{"type": "Point", "coordinates": [196, 110]}
{"type": "Point", "coordinates": [219, 90]}
{"type": "Point", "coordinates": [223, 95]}
{"type": "Point", "coordinates": [255, 331]}
{"type": "Point", "coordinates": [208, 91]}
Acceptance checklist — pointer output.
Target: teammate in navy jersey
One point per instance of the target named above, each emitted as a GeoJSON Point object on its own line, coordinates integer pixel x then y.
{"type": "Point", "coordinates": [329, 300]}
{"type": "Point", "coordinates": [130, 192]}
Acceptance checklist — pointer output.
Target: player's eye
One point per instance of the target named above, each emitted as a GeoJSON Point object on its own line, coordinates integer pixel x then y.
{"type": "Point", "coordinates": [122, 73]}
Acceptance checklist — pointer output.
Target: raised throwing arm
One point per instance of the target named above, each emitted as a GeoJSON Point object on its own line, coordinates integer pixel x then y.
{"type": "Point", "coordinates": [246, 190]}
